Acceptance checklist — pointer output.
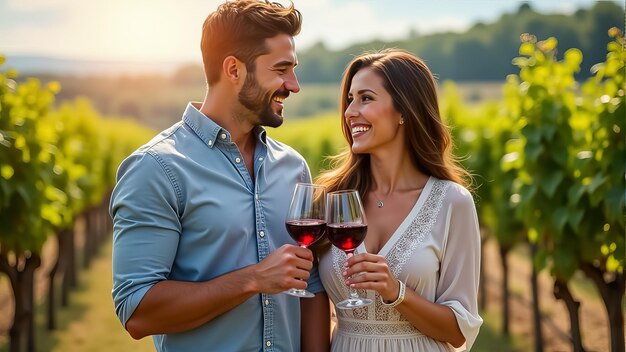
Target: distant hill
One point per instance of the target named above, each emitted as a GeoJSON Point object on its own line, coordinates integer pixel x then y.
{"type": "Point", "coordinates": [484, 52]}
{"type": "Point", "coordinates": [38, 65]}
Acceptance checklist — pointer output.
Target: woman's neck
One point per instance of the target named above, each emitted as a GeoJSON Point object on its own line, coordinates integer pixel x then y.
{"type": "Point", "coordinates": [395, 174]}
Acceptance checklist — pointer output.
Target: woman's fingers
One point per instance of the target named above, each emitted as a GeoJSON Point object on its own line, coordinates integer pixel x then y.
{"type": "Point", "coordinates": [367, 263]}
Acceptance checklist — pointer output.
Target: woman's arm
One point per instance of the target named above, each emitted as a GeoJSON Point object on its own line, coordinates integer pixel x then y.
{"type": "Point", "coordinates": [315, 323]}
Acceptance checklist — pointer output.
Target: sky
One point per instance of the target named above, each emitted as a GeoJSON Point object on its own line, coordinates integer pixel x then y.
{"type": "Point", "coordinates": [169, 30]}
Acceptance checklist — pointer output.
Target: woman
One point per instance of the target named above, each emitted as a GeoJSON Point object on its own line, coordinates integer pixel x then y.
{"type": "Point", "coordinates": [419, 262]}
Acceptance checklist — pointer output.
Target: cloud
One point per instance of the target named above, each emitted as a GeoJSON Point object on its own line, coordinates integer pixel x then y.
{"type": "Point", "coordinates": [343, 23]}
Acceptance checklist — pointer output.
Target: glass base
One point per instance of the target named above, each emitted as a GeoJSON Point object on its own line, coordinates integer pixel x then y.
{"type": "Point", "coordinates": [299, 293]}
{"type": "Point", "coordinates": [352, 303]}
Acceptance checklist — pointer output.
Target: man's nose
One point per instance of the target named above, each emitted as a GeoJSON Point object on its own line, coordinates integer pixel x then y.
{"type": "Point", "coordinates": [292, 83]}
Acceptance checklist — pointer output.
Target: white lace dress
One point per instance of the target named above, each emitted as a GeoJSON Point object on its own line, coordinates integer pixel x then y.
{"type": "Point", "coordinates": [436, 252]}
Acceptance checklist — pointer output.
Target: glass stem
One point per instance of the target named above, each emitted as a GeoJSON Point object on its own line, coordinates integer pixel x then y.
{"type": "Point", "coordinates": [353, 294]}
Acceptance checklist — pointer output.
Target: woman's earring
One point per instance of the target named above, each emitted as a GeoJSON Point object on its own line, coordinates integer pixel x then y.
{"type": "Point", "coordinates": [401, 121]}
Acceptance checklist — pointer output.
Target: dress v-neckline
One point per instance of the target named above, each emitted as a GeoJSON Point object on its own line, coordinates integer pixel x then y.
{"type": "Point", "coordinates": [405, 223]}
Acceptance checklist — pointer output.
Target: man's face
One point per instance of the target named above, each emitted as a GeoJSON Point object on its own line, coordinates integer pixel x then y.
{"type": "Point", "coordinates": [265, 89]}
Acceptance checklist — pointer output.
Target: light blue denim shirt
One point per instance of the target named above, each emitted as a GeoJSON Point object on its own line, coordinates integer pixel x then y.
{"type": "Point", "coordinates": [185, 208]}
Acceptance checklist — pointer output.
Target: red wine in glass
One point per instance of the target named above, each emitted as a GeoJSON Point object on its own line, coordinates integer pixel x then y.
{"type": "Point", "coordinates": [346, 230]}
{"type": "Point", "coordinates": [306, 231]}
{"type": "Point", "coordinates": [347, 236]}
{"type": "Point", "coordinates": [305, 220]}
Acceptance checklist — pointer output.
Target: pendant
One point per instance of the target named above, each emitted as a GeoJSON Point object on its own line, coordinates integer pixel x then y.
{"type": "Point", "coordinates": [380, 204]}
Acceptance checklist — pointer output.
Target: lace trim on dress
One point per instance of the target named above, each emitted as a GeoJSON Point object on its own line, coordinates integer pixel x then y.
{"type": "Point", "coordinates": [377, 328]}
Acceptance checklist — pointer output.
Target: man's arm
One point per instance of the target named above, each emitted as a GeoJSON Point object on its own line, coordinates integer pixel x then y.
{"type": "Point", "coordinates": [175, 306]}
{"type": "Point", "coordinates": [147, 229]}
{"type": "Point", "coordinates": [315, 323]}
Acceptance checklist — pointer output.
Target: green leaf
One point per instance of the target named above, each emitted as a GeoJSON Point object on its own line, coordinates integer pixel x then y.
{"type": "Point", "coordinates": [532, 133]}
{"type": "Point", "coordinates": [560, 156]}
{"type": "Point", "coordinates": [533, 151]}
{"type": "Point", "coordinates": [614, 204]}
{"type": "Point", "coordinates": [597, 181]}
{"type": "Point", "coordinates": [574, 217]}
{"type": "Point", "coordinates": [565, 263]}
{"type": "Point", "coordinates": [548, 131]}
{"type": "Point", "coordinates": [550, 182]}
{"type": "Point", "coordinates": [559, 219]}
{"type": "Point", "coordinates": [574, 193]}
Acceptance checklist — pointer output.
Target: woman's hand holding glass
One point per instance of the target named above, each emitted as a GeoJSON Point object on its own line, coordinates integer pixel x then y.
{"type": "Point", "coordinates": [371, 272]}
{"type": "Point", "coordinates": [346, 230]}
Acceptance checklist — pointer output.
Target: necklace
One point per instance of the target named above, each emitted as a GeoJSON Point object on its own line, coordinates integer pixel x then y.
{"type": "Point", "coordinates": [380, 203]}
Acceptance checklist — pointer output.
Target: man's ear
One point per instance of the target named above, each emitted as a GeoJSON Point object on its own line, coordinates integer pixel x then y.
{"type": "Point", "coordinates": [233, 69]}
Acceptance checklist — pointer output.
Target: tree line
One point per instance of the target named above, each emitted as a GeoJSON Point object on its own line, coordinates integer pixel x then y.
{"type": "Point", "coordinates": [477, 54]}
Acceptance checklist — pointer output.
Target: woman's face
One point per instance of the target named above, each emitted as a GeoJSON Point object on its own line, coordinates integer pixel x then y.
{"type": "Point", "coordinates": [370, 116]}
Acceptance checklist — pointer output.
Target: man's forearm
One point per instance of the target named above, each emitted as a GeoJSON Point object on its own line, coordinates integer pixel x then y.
{"type": "Point", "coordinates": [176, 306]}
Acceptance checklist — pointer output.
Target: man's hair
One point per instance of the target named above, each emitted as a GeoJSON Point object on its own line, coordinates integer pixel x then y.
{"type": "Point", "coordinates": [239, 28]}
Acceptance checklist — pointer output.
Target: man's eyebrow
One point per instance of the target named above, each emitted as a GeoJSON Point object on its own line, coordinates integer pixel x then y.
{"type": "Point", "coordinates": [285, 63]}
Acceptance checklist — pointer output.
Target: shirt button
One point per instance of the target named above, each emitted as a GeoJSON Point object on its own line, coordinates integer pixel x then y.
{"type": "Point", "coordinates": [237, 160]}
{"type": "Point", "coordinates": [262, 234]}
{"type": "Point", "coordinates": [223, 136]}
{"type": "Point", "coordinates": [267, 302]}
{"type": "Point", "coordinates": [210, 142]}
{"type": "Point", "coordinates": [268, 343]}
{"type": "Point", "coordinates": [256, 196]}
{"type": "Point", "coordinates": [261, 158]}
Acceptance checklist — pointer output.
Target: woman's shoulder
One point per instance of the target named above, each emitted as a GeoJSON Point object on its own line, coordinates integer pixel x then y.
{"type": "Point", "coordinates": [454, 193]}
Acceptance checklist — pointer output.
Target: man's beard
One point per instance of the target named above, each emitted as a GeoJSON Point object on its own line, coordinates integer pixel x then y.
{"type": "Point", "coordinates": [259, 103]}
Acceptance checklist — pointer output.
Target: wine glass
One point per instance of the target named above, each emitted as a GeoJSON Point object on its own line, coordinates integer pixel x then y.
{"type": "Point", "coordinates": [346, 230]}
{"type": "Point", "coordinates": [305, 220]}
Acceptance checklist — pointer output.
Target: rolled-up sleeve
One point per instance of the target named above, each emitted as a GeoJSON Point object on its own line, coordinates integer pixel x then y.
{"type": "Point", "coordinates": [146, 229]}
{"type": "Point", "coordinates": [459, 275]}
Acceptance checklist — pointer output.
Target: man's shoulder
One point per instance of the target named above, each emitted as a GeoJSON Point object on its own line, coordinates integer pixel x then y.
{"type": "Point", "coordinates": [162, 143]}
{"type": "Point", "coordinates": [285, 150]}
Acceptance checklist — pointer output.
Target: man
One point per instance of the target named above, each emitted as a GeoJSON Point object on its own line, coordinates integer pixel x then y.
{"type": "Point", "coordinates": [200, 250]}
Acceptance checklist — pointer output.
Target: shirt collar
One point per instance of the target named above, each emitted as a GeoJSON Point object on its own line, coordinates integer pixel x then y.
{"type": "Point", "coordinates": [209, 131]}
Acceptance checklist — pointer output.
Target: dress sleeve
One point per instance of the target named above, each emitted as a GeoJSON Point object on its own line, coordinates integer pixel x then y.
{"type": "Point", "coordinates": [460, 264]}
{"type": "Point", "coordinates": [146, 230]}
